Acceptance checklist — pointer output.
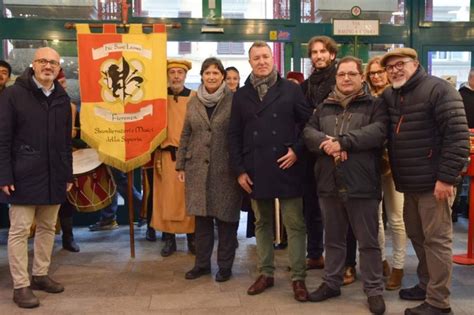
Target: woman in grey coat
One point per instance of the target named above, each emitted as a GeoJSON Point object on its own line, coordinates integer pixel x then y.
{"type": "Point", "coordinates": [212, 193]}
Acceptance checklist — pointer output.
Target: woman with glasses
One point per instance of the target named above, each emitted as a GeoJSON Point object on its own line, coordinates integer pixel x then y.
{"type": "Point", "coordinates": [212, 193]}
{"type": "Point", "coordinates": [376, 77]}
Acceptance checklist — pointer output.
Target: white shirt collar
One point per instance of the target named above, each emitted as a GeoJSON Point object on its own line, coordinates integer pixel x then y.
{"type": "Point", "coordinates": [45, 90]}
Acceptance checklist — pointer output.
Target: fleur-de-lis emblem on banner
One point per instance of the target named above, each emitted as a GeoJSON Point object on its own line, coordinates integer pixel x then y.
{"type": "Point", "coordinates": [122, 81]}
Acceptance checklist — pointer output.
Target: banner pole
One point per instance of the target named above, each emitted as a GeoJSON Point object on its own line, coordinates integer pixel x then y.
{"type": "Point", "coordinates": [71, 25]}
{"type": "Point", "coordinates": [131, 214]}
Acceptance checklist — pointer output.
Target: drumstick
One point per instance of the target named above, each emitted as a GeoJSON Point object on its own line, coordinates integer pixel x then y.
{"type": "Point", "coordinates": [277, 222]}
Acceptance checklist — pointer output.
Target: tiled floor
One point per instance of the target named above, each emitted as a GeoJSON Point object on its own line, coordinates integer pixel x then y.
{"type": "Point", "coordinates": [103, 279]}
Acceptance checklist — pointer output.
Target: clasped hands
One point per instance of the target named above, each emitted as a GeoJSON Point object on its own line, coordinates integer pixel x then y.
{"type": "Point", "coordinates": [332, 147]}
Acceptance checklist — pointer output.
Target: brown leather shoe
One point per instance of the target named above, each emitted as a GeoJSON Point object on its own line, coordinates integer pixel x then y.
{"type": "Point", "coordinates": [315, 263]}
{"type": "Point", "coordinates": [395, 280]}
{"type": "Point", "coordinates": [25, 298]}
{"type": "Point", "coordinates": [386, 268]}
{"type": "Point", "coordinates": [45, 283]}
{"type": "Point", "coordinates": [262, 283]}
{"type": "Point", "coordinates": [300, 291]}
{"type": "Point", "coordinates": [349, 275]}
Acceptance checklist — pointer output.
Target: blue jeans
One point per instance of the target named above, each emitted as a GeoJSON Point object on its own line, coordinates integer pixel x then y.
{"type": "Point", "coordinates": [121, 180]}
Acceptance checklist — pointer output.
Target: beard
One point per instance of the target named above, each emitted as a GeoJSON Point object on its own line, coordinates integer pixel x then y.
{"type": "Point", "coordinates": [399, 84]}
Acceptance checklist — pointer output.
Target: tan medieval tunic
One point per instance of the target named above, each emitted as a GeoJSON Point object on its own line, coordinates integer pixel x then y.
{"type": "Point", "coordinates": [169, 211]}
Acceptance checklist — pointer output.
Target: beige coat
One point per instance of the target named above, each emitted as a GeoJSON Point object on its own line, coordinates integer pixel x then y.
{"type": "Point", "coordinates": [210, 187]}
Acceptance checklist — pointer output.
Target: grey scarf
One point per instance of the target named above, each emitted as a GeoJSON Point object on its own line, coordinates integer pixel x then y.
{"type": "Point", "coordinates": [262, 85]}
{"type": "Point", "coordinates": [210, 100]}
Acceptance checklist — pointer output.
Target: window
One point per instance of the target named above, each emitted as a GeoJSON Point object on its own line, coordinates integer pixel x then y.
{"type": "Point", "coordinates": [167, 9]}
{"type": "Point", "coordinates": [447, 10]}
{"type": "Point", "coordinates": [256, 9]}
{"type": "Point", "coordinates": [324, 11]}
{"type": "Point", "coordinates": [61, 9]}
{"type": "Point", "coordinates": [451, 65]}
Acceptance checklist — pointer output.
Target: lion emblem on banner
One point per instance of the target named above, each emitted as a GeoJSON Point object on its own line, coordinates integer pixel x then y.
{"type": "Point", "coordinates": [122, 81]}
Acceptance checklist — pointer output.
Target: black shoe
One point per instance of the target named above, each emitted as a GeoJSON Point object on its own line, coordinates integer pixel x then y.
{"type": "Point", "coordinates": [104, 225]}
{"type": "Point", "coordinates": [45, 283]}
{"type": "Point", "coordinates": [71, 245]}
{"type": "Point", "coordinates": [223, 275]}
{"type": "Point", "coordinates": [169, 248]}
{"type": "Point", "coordinates": [323, 293]}
{"type": "Point", "coordinates": [25, 298]}
{"type": "Point", "coordinates": [150, 234]}
{"type": "Point", "coordinates": [197, 272]}
{"type": "Point", "coordinates": [413, 294]}
{"type": "Point", "coordinates": [427, 309]}
{"type": "Point", "coordinates": [376, 304]}
{"type": "Point", "coordinates": [141, 222]}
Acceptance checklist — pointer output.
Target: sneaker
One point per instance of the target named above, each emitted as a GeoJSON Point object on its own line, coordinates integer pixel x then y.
{"type": "Point", "coordinates": [25, 298]}
{"type": "Point", "coordinates": [104, 225]}
{"type": "Point", "coordinates": [427, 309]}
{"type": "Point", "coordinates": [413, 294]}
{"type": "Point", "coordinates": [376, 304]}
{"type": "Point", "coordinates": [324, 292]}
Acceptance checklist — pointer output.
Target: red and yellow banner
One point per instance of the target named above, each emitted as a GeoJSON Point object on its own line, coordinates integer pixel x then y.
{"type": "Point", "coordinates": [123, 92]}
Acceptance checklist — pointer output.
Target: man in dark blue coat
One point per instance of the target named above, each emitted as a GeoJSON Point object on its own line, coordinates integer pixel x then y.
{"type": "Point", "coordinates": [267, 115]}
{"type": "Point", "coordinates": [35, 169]}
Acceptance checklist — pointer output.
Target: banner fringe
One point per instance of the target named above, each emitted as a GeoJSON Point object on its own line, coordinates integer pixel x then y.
{"type": "Point", "coordinates": [132, 164]}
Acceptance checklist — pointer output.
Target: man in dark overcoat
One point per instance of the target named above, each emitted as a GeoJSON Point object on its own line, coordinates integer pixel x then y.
{"type": "Point", "coordinates": [265, 146]}
{"type": "Point", "coordinates": [35, 169]}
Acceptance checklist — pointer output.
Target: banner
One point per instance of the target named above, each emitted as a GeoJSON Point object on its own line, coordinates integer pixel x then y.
{"type": "Point", "coordinates": [123, 85]}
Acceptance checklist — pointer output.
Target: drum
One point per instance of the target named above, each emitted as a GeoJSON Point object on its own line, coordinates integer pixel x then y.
{"type": "Point", "coordinates": [93, 186]}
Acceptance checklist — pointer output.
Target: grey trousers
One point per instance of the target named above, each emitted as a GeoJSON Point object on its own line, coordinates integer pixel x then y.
{"type": "Point", "coordinates": [429, 227]}
{"type": "Point", "coordinates": [362, 214]}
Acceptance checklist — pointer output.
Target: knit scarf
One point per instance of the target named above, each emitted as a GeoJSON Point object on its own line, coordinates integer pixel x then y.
{"type": "Point", "coordinates": [208, 99]}
{"type": "Point", "coordinates": [344, 99]}
{"type": "Point", "coordinates": [262, 85]}
{"type": "Point", "coordinates": [318, 80]}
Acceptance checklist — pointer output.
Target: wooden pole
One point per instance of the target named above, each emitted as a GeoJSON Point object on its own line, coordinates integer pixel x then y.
{"type": "Point", "coordinates": [131, 214]}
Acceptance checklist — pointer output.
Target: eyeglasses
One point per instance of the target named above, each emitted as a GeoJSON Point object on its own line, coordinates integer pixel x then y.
{"type": "Point", "coordinates": [399, 65]}
{"type": "Point", "coordinates": [374, 73]}
{"type": "Point", "coordinates": [44, 62]}
{"type": "Point", "coordinates": [351, 75]}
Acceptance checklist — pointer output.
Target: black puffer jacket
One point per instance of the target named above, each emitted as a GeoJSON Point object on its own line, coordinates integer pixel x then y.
{"type": "Point", "coordinates": [35, 143]}
{"type": "Point", "coordinates": [467, 95]}
{"type": "Point", "coordinates": [361, 130]}
{"type": "Point", "coordinates": [428, 135]}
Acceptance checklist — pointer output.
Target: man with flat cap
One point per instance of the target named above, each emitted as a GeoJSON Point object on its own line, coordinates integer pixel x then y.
{"type": "Point", "coordinates": [169, 213]}
{"type": "Point", "coordinates": [428, 148]}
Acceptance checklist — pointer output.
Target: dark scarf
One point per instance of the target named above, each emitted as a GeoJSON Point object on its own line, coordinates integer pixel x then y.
{"type": "Point", "coordinates": [320, 83]}
{"type": "Point", "coordinates": [262, 85]}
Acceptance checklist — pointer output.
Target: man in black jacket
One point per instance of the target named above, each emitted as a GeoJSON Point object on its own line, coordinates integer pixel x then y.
{"type": "Point", "coordinates": [467, 93]}
{"type": "Point", "coordinates": [322, 51]}
{"type": "Point", "coordinates": [265, 148]}
{"type": "Point", "coordinates": [347, 132]}
{"type": "Point", "coordinates": [35, 169]}
{"type": "Point", "coordinates": [428, 148]}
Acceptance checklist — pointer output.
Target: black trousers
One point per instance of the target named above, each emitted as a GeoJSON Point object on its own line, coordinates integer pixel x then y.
{"type": "Point", "coordinates": [204, 240]}
{"type": "Point", "coordinates": [351, 249]}
{"type": "Point", "coordinates": [312, 213]}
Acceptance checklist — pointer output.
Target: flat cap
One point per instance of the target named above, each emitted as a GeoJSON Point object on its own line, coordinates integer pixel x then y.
{"type": "Point", "coordinates": [399, 52]}
{"type": "Point", "coordinates": [179, 63]}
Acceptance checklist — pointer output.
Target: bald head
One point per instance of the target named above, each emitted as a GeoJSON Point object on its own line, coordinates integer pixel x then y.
{"type": "Point", "coordinates": [46, 65]}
